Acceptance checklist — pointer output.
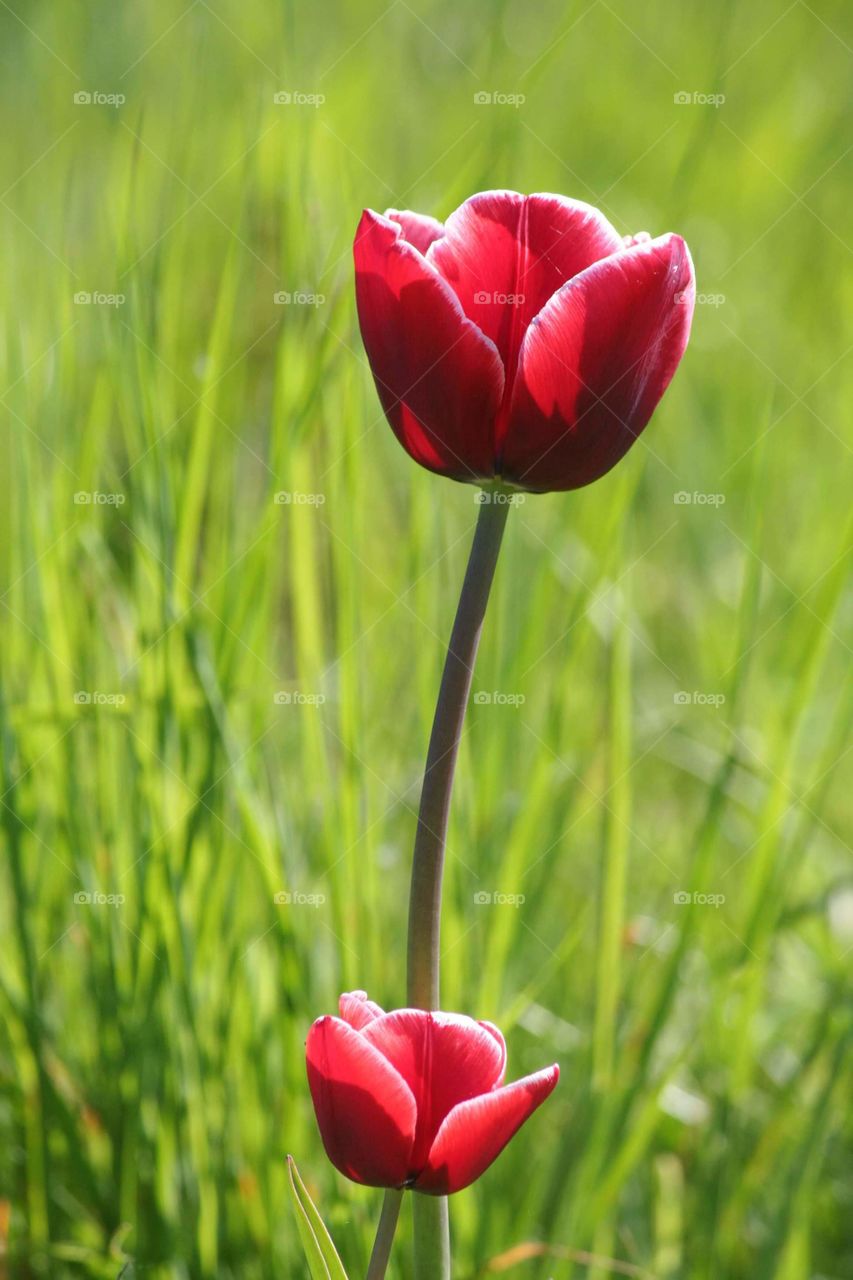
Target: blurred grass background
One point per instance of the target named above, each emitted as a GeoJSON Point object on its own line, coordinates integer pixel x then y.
{"type": "Point", "coordinates": [151, 1062]}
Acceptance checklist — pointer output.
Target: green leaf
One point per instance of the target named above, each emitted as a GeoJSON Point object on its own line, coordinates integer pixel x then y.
{"type": "Point", "coordinates": [322, 1256]}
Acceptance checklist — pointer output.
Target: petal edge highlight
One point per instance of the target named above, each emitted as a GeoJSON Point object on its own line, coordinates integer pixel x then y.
{"type": "Point", "coordinates": [439, 378]}
{"type": "Point", "coordinates": [365, 1110]}
{"type": "Point", "coordinates": [475, 1132]}
{"type": "Point", "coordinates": [594, 364]}
{"type": "Point", "coordinates": [356, 1009]}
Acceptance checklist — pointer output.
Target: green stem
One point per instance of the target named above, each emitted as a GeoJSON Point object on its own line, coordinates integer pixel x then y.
{"type": "Point", "coordinates": [432, 1237]}
{"type": "Point", "coordinates": [431, 1220]}
{"type": "Point", "coordinates": [428, 859]}
{"type": "Point", "coordinates": [385, 1235]}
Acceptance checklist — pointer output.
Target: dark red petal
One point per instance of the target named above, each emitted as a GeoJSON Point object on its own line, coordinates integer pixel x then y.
{"type": "Point", "coordinates": [475, 1132]}
{"type": "Point", "coordinates": [594, 364]}
{"type": "Point", "coordinates": [506, 254]}
{"type": "Point", "coordinates": [419, 230]}
{"type": "Point", "coordinates": [439, 379]}
{"type": "Point", "coordinates": [355, 1008]}
{"type": "Point", "coordinates": [445, 1058]}
{"type": "Point", "coordinates": [365, 1110]}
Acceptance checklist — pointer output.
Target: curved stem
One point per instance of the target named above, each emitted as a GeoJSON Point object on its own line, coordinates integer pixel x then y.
{"type": "Point", "coordinates": [384, 1235]}
{"type": "Point", "coordinates": [428, 859]}
{"type": "Point", "coordinates": [431, 1219]}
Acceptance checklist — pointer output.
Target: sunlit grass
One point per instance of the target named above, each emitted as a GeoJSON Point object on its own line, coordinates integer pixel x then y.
{"type": "Point", "coordinates": [151, 1061]}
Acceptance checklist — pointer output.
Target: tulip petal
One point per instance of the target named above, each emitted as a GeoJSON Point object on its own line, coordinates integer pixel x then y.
{"type": "Point", "coordinates": [445, 1058]}
{"type": "Point", "coordinates": [365, 1110]}
{"type": "Point", "coordinates": [506, 254]}
{"type": "Point", "coordinates": [357, 1010]}
{"type": "Point", "coordinates": [439, 380]}
{"type": "Point", "coordinates": [594, 364]}
{"type": "Point", "coordinates": [501, 1043]}
{"type": "Point", "coordinates": [475, 1132]}
{"type": "Point", "coordinates": [419, 230]}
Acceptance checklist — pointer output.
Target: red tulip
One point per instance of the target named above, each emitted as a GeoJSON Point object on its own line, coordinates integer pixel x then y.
{"type": "Point", "coordinates": [524, 340]}
{"type": "Point", "coordinates": [415, 1099]}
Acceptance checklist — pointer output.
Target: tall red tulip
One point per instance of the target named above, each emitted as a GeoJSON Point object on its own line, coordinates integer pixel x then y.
{"type": "Point", "coordinates": [524, 340]}
{"type": "Point", "coordinates": [415, 1099]}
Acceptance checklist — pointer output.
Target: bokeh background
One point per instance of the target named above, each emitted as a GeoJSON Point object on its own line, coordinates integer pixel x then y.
{"type": "Point", "coordinates": [225, 598]}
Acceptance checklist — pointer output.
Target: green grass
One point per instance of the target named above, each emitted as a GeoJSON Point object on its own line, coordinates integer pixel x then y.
{"type": "Point", "coordinates": [151, 1062]}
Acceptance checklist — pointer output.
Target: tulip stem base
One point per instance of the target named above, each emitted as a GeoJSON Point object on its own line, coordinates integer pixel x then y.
{"type": "Point", "coordinates": [428, 859]}
{"type": "Point", "coordinates": [432, 1237]}
{"type": "Point", "coordinates": [385, 1235]}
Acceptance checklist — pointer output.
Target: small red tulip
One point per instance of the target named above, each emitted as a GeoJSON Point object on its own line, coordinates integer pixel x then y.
{"type": "Point", "coordinates": [415, 1099]}
{"type": "Point", "coordinates": [524, 340]}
